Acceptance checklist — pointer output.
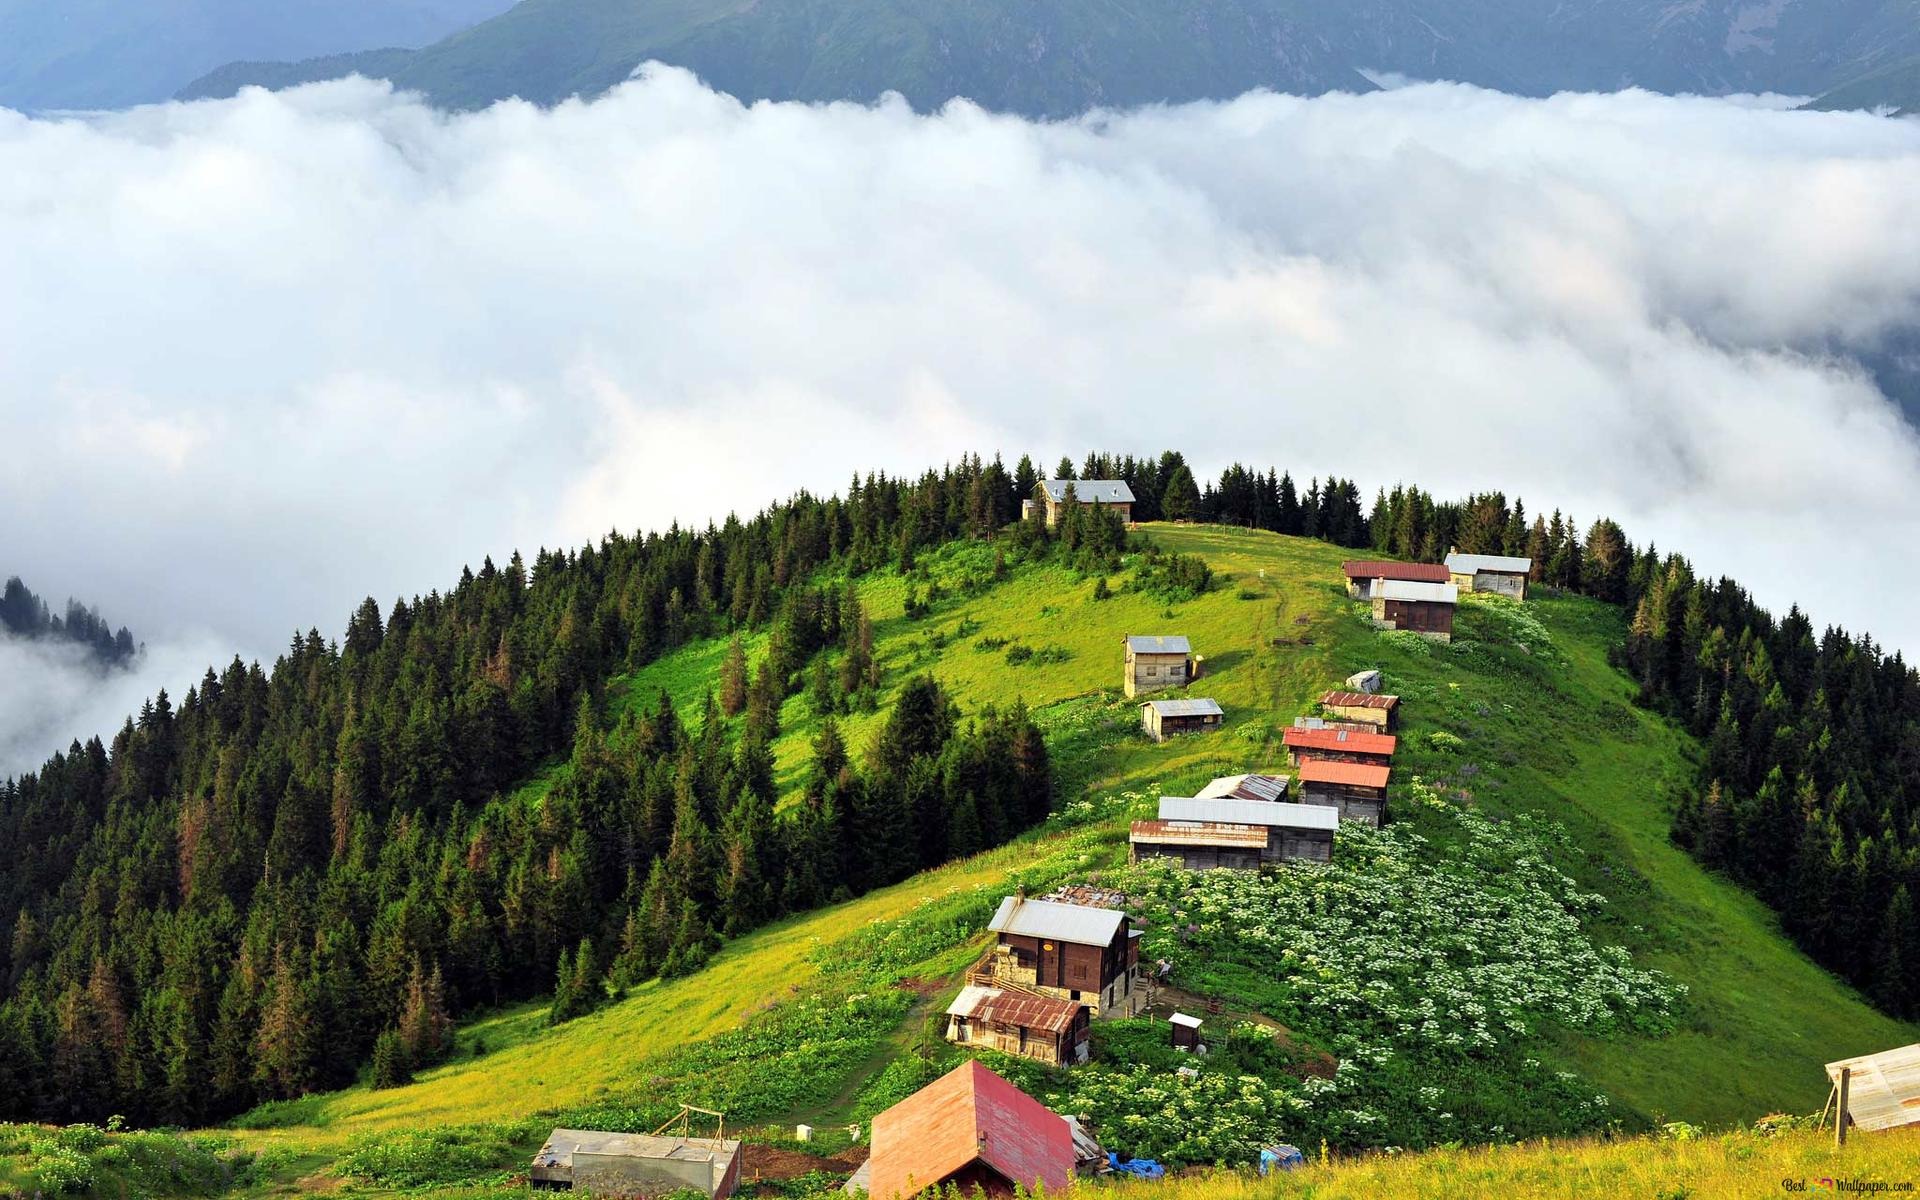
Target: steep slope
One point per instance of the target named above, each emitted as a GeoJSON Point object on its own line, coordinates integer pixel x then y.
{"type": "Point", "coordinates": [1062, 58]}
{"type": "Point", "coordinates": [1895, 87]}
{"type": "Point", "coordinates": [111, 53]}
{"type": "Point", "coordinates": [1524, 715]}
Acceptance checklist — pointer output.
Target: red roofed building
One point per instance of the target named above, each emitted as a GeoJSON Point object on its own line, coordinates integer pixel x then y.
{"type": "Point", "coordinates": [1363, 573]}
{"type": "Point", "coordinates": [1338, 745]}
{"type": "Point", "coordinates": [969, 1128]}
{"type": "Point", "coordinates": [1358, 790]}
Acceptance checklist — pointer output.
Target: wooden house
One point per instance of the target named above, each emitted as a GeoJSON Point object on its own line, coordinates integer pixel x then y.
{"type": "Point", "coordinates": [1379, 710]}
{"type": "Point", "coordinates": [1247, 787]}
{"type": "Point", "coordinates": [1355, 791]}
{"type": "Point", "coordinates": [969, 1129]}
{"type": "Point", "coordinates": [1044, 1028]}
{"type": "Point", "coordinates": [1157, 661]}
{"type": "Point", "coordinates": [1239, 834]}
{"type": "Point", "coordinates": [1338, 745]}
{"type": "Point", "coordinates": [1163, 719]}
{"type": "Point", "coordinates": [1364, 575]}
{"type": "Point", "coordinates": [1068, 951]}
{"type": "Point", "coordinates": [1501, 574]}
{"type": "Point", "coordinates": [635, 1164]}
{"type": "Point", "coordinates": [1422, 608]}
{"type": "Point", "coordinates": [1051, 496]}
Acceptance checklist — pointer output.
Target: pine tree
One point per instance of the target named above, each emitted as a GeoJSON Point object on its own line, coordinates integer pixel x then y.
{"type": "Point", "coordinates": [733, 678]}
{"type": "Point", "coordinates": [390, 1066]}
{"type": "Point", "coordinates": [1181, 501]}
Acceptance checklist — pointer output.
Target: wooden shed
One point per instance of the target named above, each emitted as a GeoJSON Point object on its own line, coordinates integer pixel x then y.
{"type": "Point", "coordinates": [1365, 574]}
{"type": "Point", "coordinates": [1883, 1090]}
{"type": "Point", "coordinates": [1185, 1031]}
{"type": "Point", "coordinates": [1241, 834]}
{"type": "Point", "coordinates": [1422, 608]}
{"type": "Point", "coordinates": [1157, 661]}
{"type": "Point", "coordinates": [1381, 711]}
{"type": "Point", "coordinates": [1338, 745]}
{"type": "Point", "coordinates": [635, 1164]}
{"type": "Point", "coordinates": [1163, 719]}
{"type": "Point", "coordinates": [1069, 951]}
{"type": "Point", "coordinates": [970, 1129]}
{"type": "Point", "coordinates": [1354, 791]}
{"type": "Point", "coordinates": [1501, 574]}
{"type": "Point", "coordinates": [1031, 1025]}
{"type": "Point", "coordinates": [1051, 494]}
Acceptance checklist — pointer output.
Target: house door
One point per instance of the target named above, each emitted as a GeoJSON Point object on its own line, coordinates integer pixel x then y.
{"type": "Point", "coordinates": [1050, 973]}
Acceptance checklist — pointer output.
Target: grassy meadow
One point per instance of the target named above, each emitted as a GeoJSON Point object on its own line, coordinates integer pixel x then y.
{"type": "Point", "coordinates": [825, 1017]}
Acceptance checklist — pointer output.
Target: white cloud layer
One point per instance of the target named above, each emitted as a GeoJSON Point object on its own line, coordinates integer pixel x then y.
{"type": "Point", "coordinates": [261, 357]}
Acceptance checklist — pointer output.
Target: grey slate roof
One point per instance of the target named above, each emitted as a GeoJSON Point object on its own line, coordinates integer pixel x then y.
{"type": "Point", "coordinates": [1150, 643]}
{"type": "Point", "coordinates": [1186, 708]}
{"type": "Point", "coordinates": [1249, 812]}
{"type": "Point", "coordinates": [1076, 923]}
{"type": "Point", "coordinates": [1500, 564]}
{"type": "Point", "coordinates": [1086, 491]}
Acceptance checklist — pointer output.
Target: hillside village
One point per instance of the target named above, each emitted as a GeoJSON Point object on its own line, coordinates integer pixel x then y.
{"type": "Point", "coordinates": [1096, 999]}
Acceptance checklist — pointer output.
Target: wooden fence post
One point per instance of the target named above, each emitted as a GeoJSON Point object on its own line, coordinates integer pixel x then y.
{"type": "Point", "coordinates": [1840, 1119]}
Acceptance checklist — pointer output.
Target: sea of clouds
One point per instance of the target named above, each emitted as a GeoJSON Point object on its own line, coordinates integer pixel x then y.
{"type": "Point", "coordinates": [262, 357]}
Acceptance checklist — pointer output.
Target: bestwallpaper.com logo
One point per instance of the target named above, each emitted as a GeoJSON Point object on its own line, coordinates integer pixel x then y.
{"type": "Point", "coordinates": [1826, 1186]}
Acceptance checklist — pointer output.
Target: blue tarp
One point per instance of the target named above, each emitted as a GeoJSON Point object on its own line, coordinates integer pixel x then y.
{"type": "Point", "coordinates": [1139, 1168]}
{"type": "Point", "coordinates": [1284, 1158]}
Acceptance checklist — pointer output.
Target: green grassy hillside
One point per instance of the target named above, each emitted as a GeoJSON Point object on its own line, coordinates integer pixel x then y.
{"type": "Point", "coordinates": [828, 1016]}
{"type": "Point", "coordinates": [1523, 714]}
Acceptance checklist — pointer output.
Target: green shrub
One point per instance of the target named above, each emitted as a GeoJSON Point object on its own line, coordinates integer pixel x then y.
{"type": "Point", "coordinates": [456, 1154]}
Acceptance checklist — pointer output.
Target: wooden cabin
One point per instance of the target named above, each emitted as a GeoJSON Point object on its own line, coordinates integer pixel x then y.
{"type": "Point", "coordinates": [1355, 791]}
{"type": "Point", "coordinates": [1068, 951]}
{"type": "Point", "coordinates": [1422, 608]}
{"type": "Point", "coordinates": [1366, 574]}
{"type": "Point", "coordinates": [1247, 787]}
{"type": "Point", "coordinates": [1044, 1028]}
{"type": "Point", "coordinates": [633, 1164]}
{"type": "Point", "coordinates": [1156, 661]}
{"type": "Point", "coordinates": [1338, 745]}
{"type": "Point", "coordinates": [1238, 834]}
{"type": "Point", "coordinates": [969, 1129]}
{"type": "Point", "coordinates": [1501, 574]}
{"type": "Point", "coordinates": [1381, 711]}
{"type": "Point", "coordinates": [1163, 719]}
{"type": "Point", "coordinates": [1051, 496]}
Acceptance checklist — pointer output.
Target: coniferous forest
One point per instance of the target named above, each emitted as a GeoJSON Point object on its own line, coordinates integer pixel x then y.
{"type": "Point", "coordinates": [25, 615]}
{"type": "Point", "coordinates": [254, 889]}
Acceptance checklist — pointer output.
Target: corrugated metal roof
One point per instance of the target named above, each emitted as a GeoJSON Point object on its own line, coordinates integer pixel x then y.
{"type": "Point", "coordinates": [1431, 593]}
{"type": "Point", "coordinates": [1246, 787]}
{"type": "Point", "coordinates": [1076, 923]}
{"type": "Point", "coordinates": [1884, 1092]}
{"type": "Point", "coordinates": [1186, 708]}
{"type": "Point", "coordinates": [1248, 812]}
{"type": "Point", "coordinates": [1319, 770]}
{"type": "Point", "coordinates": [1499, 564]}
{"type": "Point", "coordinates": [1174, 833]}
{"type": "Point", "coordinates": [1018, 1010]}
{"type": "Point", "coordinates": [969, 1113]}
{"type": "Point", "coordinates": [1086, 491]}
{"type": "Point", "coordinates": [1344, 741]}
{"type": "Point", "coordinates": [1358, 700]}
{"type": "Point", "coordinates": [1377, 568]}
{"type": "Point", "coordinates": [1152, 643]}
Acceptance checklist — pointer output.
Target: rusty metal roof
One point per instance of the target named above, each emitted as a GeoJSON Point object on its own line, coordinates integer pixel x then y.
{"type": "Point", "coordinates": [967, 1114]}
{"type": "Point", "coordinates": [1187, 833]}
{"type": "Point", "coordinates": [1378, 568]}
{"type": "Point", "coordinates": [1343, 741]}
{"type": "Point", "coordinates": [1320, 770]}
{"type": "Point", "coordinates": [1358, 700]}
{"type": "Point", "coordinates": [1015, 1010]}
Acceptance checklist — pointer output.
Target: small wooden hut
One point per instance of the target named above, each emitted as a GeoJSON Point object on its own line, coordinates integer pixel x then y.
{"type": "Point", "coordinates": [1028, 1024]}
{"type": "Point", "coordinates": [1364, 575]}
{"type": "Point", "coordinates": [1422, 608]}
{"type": "Point", "coordinates": [1157, 661]}
{"type": "Point", "coordinates": [1355, 791]}
{"type": "Point", "coordinates": [1378, 710]}
{"type": "Point", "coordinates": [1338, 745]}
{"type": "Point", "coordinates": [1163, 719]}
{"type": "Point", "coordinates": [1501, 574]}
